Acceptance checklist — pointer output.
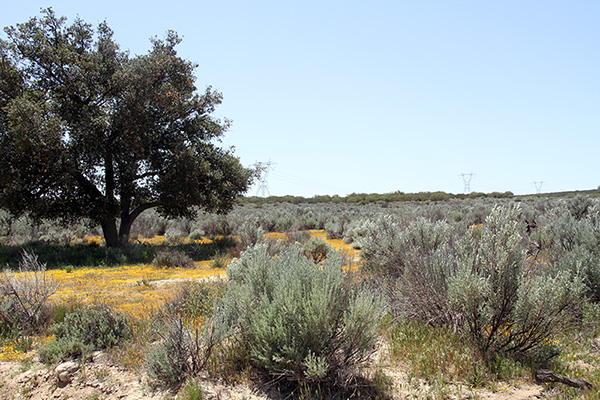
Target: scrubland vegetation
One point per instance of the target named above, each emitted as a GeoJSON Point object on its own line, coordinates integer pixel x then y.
{"type": "Point", "coordinates": [446, 299]}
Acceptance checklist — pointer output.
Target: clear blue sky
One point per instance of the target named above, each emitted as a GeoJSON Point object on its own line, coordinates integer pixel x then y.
{"type": "Point", "coordinates": [380, 96]}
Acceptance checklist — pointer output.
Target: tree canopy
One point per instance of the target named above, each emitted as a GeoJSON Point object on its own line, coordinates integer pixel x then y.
{"type": "Point", "coordinates": [86, 130]}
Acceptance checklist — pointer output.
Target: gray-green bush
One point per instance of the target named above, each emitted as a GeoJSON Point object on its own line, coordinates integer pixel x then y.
{"type": "Point", "coordinates": [305, 322]}
{"type": "Point", "coordinates": [84, 330]}
{"type": "Point", "coordinates": [502, 305]}
{"type": "Point", "coordinates": [172, 259]}
{"type": "Point", "coordinates": [478, 282]}
{"type": "Point", "coordinates": [186, 337]}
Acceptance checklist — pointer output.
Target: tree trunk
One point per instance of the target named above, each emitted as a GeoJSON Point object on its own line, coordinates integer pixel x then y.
{"type": "Point", "coordinates": [111, 237]}
{"type": "Point", "coordinates": [125, 229]}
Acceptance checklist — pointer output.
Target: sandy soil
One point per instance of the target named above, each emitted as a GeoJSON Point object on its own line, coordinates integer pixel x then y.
{"type": "Point", "coordinates": [101, 381]}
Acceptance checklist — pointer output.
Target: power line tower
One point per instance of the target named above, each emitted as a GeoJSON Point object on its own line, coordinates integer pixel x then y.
{"type": "Point", "coordinates": [263, 184]}
{"type": "Point", "coordinates": [538, 187]}
{"type": "Point", "coordinates": [467, 181]}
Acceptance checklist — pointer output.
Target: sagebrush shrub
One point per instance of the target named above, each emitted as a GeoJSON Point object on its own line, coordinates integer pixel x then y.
{"type": "Point", "coordinates": [187, 334]}
{"type": "Point", "coordinates": [172, 259]}
{"type": "Point", "coordinates": [194, 301]}
{"type": "Point", "coordinates": [168, 361]}
{"type": "Point", "coordinates": [317, 249]}
{"type": "Point", "coordinates": [306, 322]}
{"type": "Point", "coordinates": [197, 234]}
{"type": "Point", "coordinates": [504, 307]}
{"type": "Point", "coordinates": [479, 283]}
{"type": "Point", "coordinates": [250, 233]}
{"type": "Point", "coordinates": [84, 330]}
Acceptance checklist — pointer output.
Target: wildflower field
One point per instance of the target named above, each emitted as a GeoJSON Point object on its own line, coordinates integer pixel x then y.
{"type": "Point", "coordinates": [454, 299]}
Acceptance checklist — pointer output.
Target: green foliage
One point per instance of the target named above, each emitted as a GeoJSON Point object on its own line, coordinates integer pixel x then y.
{"type": "Point", "coordinates": [505, 308]}
{"type": "Point", "coordinates": [187, 340]}
{"type": "Point", "coordinates": [84, 330]}
{"type": "Point", "coordinates": [221, 260]}
{"type": "Point", "coordinates": [197, 234]}
{"type": "Point", "coordinates": [168, 361]}
{"type": "Point", "coordinates": [317, 249]}
{"type": "Point", "coordinates": [478, 282]}
{"type": "Point", "coordinates": [172, 259]}
{"type": "Point", "coordinates": [306, 322]}
{"type": "Point", "coordinates": [434, 353]}
{"type": "Point", "coordinates": [93, 132]}
{"type": "Point", "coordinates": [195, 301]}
{"type": "Point", "coordinates": [250, 233]}
{"type": "Point", "coordinates": [192, 390]}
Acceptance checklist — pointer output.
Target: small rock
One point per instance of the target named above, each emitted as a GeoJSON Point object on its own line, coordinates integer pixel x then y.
{"type": "Point", "coordinates": [25, 377]}
{"type": "Point", "coordinates": [65, 371]}
{"type": "Point", "coordinates": [99, 357]}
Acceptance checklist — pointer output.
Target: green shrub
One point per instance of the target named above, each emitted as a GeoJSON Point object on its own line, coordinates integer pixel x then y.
{"type": "Point", "coordinates": [317, 249]}
{"type": "Point", "coordinates": [187, 335]}
{"type": "Point", "coordinates": [306, 322]}
{"type": "Point", "coordinates": [479, 283]}
{"type": "Point", "coordinates": [251, 233]}
{"type": "Point", "coordinates": [168, 361]}
{"type": "Point", "coordinates": [174, 237]}
{"type": "Point", "coordinates": [172, 259]}
{"type": "Point", "coordinates": [192, 390]}
{"type": "Point", "coordinates": [84, 330]}
{"type": "Point", "coordinates": [197, 234]}
{"type": "Point", "coordinates": [195, 301]}
{"type": "Point", "coordinates": [221, 260]}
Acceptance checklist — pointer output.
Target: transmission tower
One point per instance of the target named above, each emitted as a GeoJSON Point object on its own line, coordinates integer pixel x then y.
{"type": "Point", "coordinates": [467, 180]}
{"type": "Point", "coordinates": [538, 187]}
{"type": "Point", "coordinates": [263, 184]}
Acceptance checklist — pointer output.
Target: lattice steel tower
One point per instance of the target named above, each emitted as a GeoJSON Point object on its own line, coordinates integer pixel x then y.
{"type": "Point", "coordinates": [467, 180]}
{"type": "Point", "coordinates": [538, 187]}
{"type": "Point", "coordinates": [263, 184]}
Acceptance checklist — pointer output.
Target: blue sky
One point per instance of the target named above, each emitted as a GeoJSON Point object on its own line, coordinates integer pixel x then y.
{"type": "Point", "coordinates": [380, 96]}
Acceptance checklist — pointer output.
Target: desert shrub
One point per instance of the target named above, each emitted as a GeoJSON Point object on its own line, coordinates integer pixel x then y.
{"type": "Point", "coordinates": [389, 246]}
{"type": "Point", "coordinates": [197, 234]}
{"type": "Point", "coordinates": [250, 233]}
{"type": "Point", "coordinates": [298, 320]}
{"type": "Point", "coordinates": [183, 351]}
{"type": "Point", "coordinates": [172, 259]}
{"type": "Point", "coordinates": [570, 239]}
{"type": "Point", "coordinates": [84, 330]}
{"type": "Point", "coordinates": [148, 224]}
{"type": "Point", "coordinates": [298, 237]}
{"type": "Point", "coordinates": [502, 306]}
{"type": "Point", "coordinates": [168, 361]}
{"type": "Point", "coordinates": [174, 237]}
{"type": "Point", "coordinates": [335, 229]}
{"type": "Point", "coordinates": [221, 260]}
{"type": "Point", "coordinates": [187, 337]}
{"type": "Point", "coordinates": [216, 225]}
{"type": "Point", "coordinates": [478, 284]}
{"type": "Point", "coordinates": [23, 296]}
{"type": "Point", "coordinates": [192, 390]}
{"type": "Point", "coordinates": [317, 249]}
{"type": "Point", "coordinates": [194, 301]}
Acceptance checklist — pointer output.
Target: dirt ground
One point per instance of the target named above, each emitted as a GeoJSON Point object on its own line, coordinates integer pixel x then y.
{"type": "Point", "coordinates": [101, 381]}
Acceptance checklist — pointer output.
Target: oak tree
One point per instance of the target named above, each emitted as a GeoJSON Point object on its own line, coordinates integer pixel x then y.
{"type": "Point", "coordinates": [88, 131]}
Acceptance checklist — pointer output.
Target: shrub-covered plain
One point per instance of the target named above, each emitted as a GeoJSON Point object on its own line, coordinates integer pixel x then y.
{"type": "Point", "coordinates": [462, 294]}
